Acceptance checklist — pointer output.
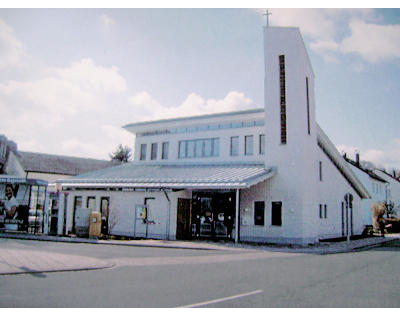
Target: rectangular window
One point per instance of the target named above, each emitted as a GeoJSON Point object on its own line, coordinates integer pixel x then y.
{"type": "Point", "coordinates": [154, 151]}
{"type": "Point", "coordinates": [282, 82]}
{"type": "Point", "coordinates": [323, 211]}
{"type": "Point", "coordinates": [320, 171]}
{"type": "Point", "coordinates": [190, 149]}
{"type": "Point", "coordinates": [91, 203]}
{"type": "Point", "coordinates": [215, 147]}
{"type": "Point", "coordinates": [199, 148]}
{"type": "Point", "coordinates": [259, 207]}
{"type": "Point", "coordinates": [343, 221]}
{"type": "Point", "coordinates": [104, 206]}
{"type": "Point", "coordinates": [182, 149]}
{"type": "Point", "coordinates": [207, 148]}
{"type": "Point", "coordinates": [276, 214]}
{"type": "Point", "coordinates": [248, 145]}
{"type": "Point", "coordinates": [308, 108]}
{"type": "Point", "coordinates": [143, 149]}
{"type": "Point", "coordinates": [165, 148]}
{"type": "Point", "coordinates": [235, 146]}
{"type": "Point", "coordinates": [262, 145]}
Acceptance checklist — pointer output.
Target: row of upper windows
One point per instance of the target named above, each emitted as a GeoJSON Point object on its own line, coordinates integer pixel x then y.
{"type": "Point", "coordinates": [202, 148]}
{"type": "Point", "coordinates": [204, 127]}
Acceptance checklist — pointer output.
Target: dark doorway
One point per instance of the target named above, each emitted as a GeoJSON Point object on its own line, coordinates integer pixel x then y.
{"type": "Point", "coordinates": [104, 209]}
{"type": "Point", "coordinates": [183, 224]}
{"type": "Point", "coordinates": [213, 214]}
{"type": "Point", "coordinates": [77, 204]}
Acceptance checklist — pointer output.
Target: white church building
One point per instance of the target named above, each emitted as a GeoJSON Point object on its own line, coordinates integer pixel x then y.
{"type": "Point", "coordinates": [265, 175]}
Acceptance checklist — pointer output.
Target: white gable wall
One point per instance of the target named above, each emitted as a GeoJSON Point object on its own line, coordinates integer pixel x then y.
{"type": "Point", "coordinates": [375, 188]}
{"type": "Point", "coordinates": [331, 192]}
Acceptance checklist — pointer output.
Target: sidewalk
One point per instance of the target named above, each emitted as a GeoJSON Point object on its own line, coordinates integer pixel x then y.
{"type": "Point", "coordinates": [14, 261]}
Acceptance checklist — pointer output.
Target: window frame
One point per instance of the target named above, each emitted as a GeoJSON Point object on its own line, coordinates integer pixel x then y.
{"type": "Point", "coordinates": [234, 146]}
{"type": "Point", "coordinates": [143, 152]}
{"type": "Point", "coordinates": [276, 219]}
{"type": "Point", "coordinates": [249, 146]}
{"type": "Point", "coordinates": [261, 146]}
{"type": "Point", "coordinates": [259, 212]}
{"type": "Point", "coordinates": [164, 150]}
{"type": "Point", "coordinates": [154, 151]}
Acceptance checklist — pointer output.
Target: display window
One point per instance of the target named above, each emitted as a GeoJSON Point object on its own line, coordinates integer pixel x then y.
{"type": "Point", "coordinates": [22, 205]}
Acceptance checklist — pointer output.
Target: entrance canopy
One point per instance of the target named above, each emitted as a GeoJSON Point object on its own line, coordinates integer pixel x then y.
{"type": "Point", "coordinates": [173, 176]}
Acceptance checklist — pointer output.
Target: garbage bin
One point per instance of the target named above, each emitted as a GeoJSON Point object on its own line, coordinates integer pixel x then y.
{"type": "Point", "coordinates": [95, 225]}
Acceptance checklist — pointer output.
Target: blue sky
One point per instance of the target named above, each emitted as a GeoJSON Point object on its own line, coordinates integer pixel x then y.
{"type": "Point", "coordinates": [70, 78]}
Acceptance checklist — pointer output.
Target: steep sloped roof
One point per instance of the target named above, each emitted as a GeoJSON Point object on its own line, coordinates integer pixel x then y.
{"type": "Point", "coordinates": [367, 171]}
{"type": "Point", "coordinates": [332, 153]}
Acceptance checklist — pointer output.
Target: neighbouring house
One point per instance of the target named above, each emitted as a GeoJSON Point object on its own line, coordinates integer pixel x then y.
{"type": "Point", "coordinates": [34, 176]}
{"type": "Point", "coordinates": [56, 167]}
{"type": "Point", "coordinates": [265, 175]}
{"type": "Point", "coordinates": [374, 183]}
{"type": "Point", "coordinates": [392, 192]}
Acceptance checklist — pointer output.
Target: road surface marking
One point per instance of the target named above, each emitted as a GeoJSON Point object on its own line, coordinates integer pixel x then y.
{"type": "Point", "coordinates": [222, 299]}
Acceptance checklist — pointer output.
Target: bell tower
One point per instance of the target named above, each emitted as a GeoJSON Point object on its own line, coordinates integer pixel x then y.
{"type": "Point", "coordinates": [291, 138]}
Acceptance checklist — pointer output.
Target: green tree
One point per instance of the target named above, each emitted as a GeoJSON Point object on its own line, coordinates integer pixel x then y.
{"type": "Point", "coordinates": [121, 153]}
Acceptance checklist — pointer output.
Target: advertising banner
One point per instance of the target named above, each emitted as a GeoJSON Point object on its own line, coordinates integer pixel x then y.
{"type": "Point", "coordinates": [14, 206]}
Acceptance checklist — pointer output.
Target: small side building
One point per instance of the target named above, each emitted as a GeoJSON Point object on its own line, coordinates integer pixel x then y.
{"type": "Point", "coordinates": [35, 175]}
{"type": "Point", "coordinates": [375, 184]}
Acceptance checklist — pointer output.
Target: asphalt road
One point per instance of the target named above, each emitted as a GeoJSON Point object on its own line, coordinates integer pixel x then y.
{"type": "Point", "coordinates": [161, 277]}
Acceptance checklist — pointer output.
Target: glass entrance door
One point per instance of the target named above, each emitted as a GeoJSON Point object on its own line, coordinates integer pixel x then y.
{"type": "Point", "coordinates": [213, 214]}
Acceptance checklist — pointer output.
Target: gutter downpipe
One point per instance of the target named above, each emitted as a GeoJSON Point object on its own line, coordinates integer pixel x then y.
{"type": "Point", "coordinates": [237, 216]}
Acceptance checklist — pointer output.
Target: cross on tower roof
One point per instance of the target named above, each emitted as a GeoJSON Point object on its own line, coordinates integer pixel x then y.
{"type": "Point", "coordinates": [267, 14]}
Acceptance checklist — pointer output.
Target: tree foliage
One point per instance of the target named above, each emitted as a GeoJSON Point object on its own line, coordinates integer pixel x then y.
{"type": "Point", "coordinates": [121, 153]}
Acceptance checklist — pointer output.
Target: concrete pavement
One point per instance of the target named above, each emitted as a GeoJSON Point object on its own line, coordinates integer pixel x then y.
{"type": "Point", "coordinates": [13, 261]}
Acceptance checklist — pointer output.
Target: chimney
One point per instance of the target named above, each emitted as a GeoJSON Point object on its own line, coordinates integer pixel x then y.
{"type": "Point", "coordinates": [358, 159]}
{"type": "Point", "coordinates": [345, 156]}
{"type": "Point", "coordinates": [394, 173]}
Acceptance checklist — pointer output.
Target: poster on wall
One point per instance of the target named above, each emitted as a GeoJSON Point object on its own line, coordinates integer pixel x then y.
{"type": "Point", "coordinates": [14, 210]}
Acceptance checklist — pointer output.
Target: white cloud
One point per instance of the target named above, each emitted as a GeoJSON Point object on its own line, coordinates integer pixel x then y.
{"type": "Point", "coordinates": [147, 108]}
{"type": "Point", "coordinates": [63, 108]}
{"type": "Point", "coordinates": [79, 110]}
{"type": "Point", "coordinates": [11, 49]}
{"type": "Point", "coordinates": [90, 77]}
{"type": "Point", "coordinates": [336, 32]}
{"type": "Point", "coordinates": [372, 42]}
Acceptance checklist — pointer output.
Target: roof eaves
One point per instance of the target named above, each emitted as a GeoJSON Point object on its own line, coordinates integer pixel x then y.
{"type": "Point", "coordinates": [331, 152]}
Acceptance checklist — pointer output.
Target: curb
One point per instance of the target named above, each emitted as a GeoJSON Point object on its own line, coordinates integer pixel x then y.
{"type": "Point", "coordinates": [111, 243]}
{"type": "Point", "coordinates": [316, 251]}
